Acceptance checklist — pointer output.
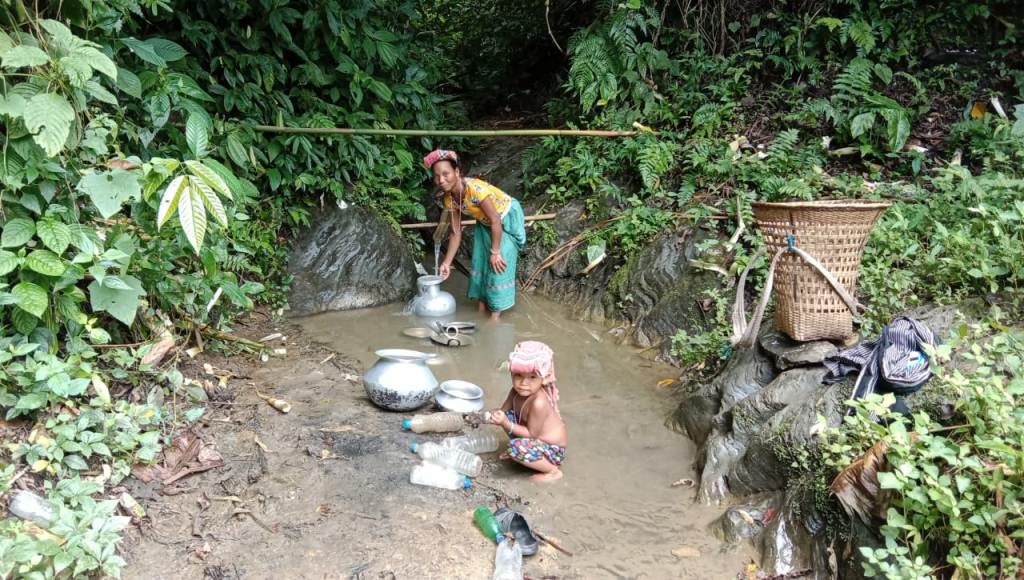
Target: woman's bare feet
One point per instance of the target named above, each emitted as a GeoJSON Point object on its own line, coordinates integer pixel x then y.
{"type": "Point", "coordinates": [553, 475]}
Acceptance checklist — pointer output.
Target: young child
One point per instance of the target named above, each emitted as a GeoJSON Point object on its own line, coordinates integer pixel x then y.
{"type": "Point", "coordinates": [530, 413]}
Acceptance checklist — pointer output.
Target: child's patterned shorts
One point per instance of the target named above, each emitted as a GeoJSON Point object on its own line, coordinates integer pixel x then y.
{"type": "Point", "coordinates": [527, 450]}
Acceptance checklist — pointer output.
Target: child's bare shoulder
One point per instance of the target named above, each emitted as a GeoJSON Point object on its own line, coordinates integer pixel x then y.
{"type": "Point", "coordinates": [540, 403]}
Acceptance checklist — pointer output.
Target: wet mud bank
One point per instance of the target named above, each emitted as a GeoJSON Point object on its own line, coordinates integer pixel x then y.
{"type": "Point", "coordinates": [324, 492]}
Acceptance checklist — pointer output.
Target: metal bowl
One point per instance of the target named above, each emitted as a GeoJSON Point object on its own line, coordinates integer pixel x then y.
{"type": "Point", "coordinates": [460, 396]}
{"type": "Point", "coordinates": [462, 389]}
{"type": "Point", "coordinates": [418, 332]}
{"type": "Point", "coordinates": [457, 405]}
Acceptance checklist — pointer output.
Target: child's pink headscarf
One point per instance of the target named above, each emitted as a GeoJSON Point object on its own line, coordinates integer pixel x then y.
{"type": "Point", "coordinates": [531, 356]}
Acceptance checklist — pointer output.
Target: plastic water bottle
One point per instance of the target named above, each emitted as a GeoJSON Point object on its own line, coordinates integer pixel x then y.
{"type": "Point", "coordinates": [433, 475]}
{"type": "Point", "coordinates": [483, 441]}
{"type": "Point", "coordinates": [488, 524]}
{"type": "Point", "coordinates": [508, 561]}
{"type": "Point", "coordinates": [462, 461]}
{"type": "Point", "coordinates": [435, 423]}
{"type": "Point", "coordinates": [31, 507]}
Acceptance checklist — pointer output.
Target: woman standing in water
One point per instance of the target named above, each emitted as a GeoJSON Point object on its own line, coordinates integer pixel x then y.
{"type": "Point", "coordinates": [500, 232]}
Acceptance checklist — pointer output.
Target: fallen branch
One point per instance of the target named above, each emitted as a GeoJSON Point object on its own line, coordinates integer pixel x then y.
{"type": "Point", "coordinates": [221, 335]}
{"type": "Point", "coordinates": [565, 248]}
{"type": "Point", "coordinates": [551, 543]}
{"type": "Point", "coordinates": [425, 225]}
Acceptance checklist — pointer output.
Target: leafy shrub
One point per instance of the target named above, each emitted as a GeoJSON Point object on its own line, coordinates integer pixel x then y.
{"type": "Point", "coordinates": [955, 491]}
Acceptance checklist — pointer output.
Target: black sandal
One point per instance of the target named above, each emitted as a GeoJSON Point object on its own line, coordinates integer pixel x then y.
{"type": "Point", "coordinates": [513, 522]}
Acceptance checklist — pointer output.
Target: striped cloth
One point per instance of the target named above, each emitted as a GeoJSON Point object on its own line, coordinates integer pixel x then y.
{"type": "Point", "coordinates": [894, 362]}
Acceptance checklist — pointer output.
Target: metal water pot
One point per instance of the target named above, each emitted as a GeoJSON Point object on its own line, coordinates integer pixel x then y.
{"type": "Point", "coordinates": [400, 380]}
{"type": "Point", "coordinates": [432, 302]}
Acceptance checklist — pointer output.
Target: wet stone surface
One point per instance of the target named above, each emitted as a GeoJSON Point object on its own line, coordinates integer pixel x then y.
{"type": "Point", "coordinates": [349, 258]}
{"type": "Point", "coordinates": [788, 353]}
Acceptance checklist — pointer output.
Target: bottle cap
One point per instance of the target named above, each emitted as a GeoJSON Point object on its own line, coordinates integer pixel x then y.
{"type": "Point", "coordinates": [406, 424]}
{"type": "Point", "coordinates": [499, 538]}
{"type": "Point", "coordinates": [466, 483]}
{"type": "Point", "coordinates": [413, 446]}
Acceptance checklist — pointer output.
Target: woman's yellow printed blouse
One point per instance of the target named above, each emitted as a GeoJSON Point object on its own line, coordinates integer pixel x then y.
{"type": "Point", "coordinates": [477, 190]}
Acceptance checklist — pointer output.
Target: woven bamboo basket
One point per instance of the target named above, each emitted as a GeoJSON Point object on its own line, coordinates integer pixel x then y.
{"type": "Point", "coordinates": [834, 232]}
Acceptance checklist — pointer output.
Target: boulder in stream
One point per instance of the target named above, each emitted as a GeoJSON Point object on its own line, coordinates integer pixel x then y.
{"type": "Point", "coordinates": [349, 258]}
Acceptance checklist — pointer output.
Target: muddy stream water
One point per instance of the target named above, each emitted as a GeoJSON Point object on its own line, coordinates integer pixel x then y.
{"type": "Point", "coordinates": [337, 489]}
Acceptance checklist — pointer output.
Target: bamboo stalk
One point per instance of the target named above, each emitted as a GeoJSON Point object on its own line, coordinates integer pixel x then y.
{"type": "Point", "coordinates": [423, 225]}
{"type": "Point", "coordinates": [443, 132]}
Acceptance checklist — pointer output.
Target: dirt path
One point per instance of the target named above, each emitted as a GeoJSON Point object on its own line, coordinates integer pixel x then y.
{"type": "Point", "coordinates": [323, 492]}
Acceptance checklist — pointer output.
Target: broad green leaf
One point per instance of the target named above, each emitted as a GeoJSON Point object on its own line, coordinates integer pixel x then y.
{"type": "Point", "coordinates": [48, 116]}
{"type": "Point", "coordinates": [76, 67]}
{"type": "Point", "coordinates": [115, 283]}
{"type": "Point", "coordinates": [861, 124]}
{"type": "Point", "coordinates": [236, 151]}
{"type": "Point", "coordinates": [30, 298]}
{"type": "Point", "coordinates": [196, 136]}
{"type": "Point", "coordinates": [45, 262]}
{"type": "Point", "coordinates": [17, 233]}
{"type": "Point", "coordinates": [6, 42]}
{"type": "Point", "coordinates": [109, 190]}
{"type": "Point", "coordinates": [54, 234]}
{"type": "Point", "coordinates": [100, 93]}
{"type": "Point", "coordinates": [168, 50]}
{"type": "Point", "coordinates": [31, 400]}
{"type": "Point", "coordinates": [8, 262]}
{"type": "Point", "coordinates": [64, 386]}
{"type": "Point", "coordinates": [169, 202]}
{"type": "Point", "coordinates": [211, 201]}
{"type": "Point", "coordinates": [129, 83]}
{"type": "Point", "coordinates": [22, 55]}
{"type": "Point", "coordinates": [887, 480]}
{"type": "Point", "coordinates": [210, 177]}
{"type": "Point", "coordinates": [192, 215]}
{"type": "Point", "coordinates": [121, 304]}
{"type": "Point", "coordinates": [98, 61]}
{"type": "Point", "coordinates": [60, 34]}
{"type": "Point", "coordinates": [899, 131]}
{"type": "Point", "coordinates": [77, 463]}
{"type": "Point", "coordinates": [380, 89]}
{"type": "Point", "coordinates": [144, 51]}
{"type": "Point", "coordinates": [159, 107]}
{"type": "Point", "coordinates": [12, 105]}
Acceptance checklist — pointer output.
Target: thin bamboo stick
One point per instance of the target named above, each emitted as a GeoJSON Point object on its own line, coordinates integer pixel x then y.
{"type": "Point", "coordinates": [444, 133]}
{"type": "Point", "coordinates": [423, 225]}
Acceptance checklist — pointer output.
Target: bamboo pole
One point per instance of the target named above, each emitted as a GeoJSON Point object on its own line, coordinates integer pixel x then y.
{"type": "Point", "coordinates": [424, 225]}
{"type": "Point", "coordinates": [444, 133]}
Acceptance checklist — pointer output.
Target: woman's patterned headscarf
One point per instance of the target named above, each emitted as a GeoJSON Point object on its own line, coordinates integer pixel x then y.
{"type": "Point", "coordinates": [440, 155]}
{"type": "Point", "coordinates": [531, 356]}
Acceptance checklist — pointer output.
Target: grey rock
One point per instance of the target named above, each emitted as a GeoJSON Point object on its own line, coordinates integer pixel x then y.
{"type": "Point", "coordinates": [792, 386]}
{"type": "Point", "coordinates": [786, 545]}
{"type": "Point", "coordinates": [349, 259]}
{"type": "Point", "coordinates": [788, 353]}
{"type": "Point", "coordinates": [722, 451]}
{"type": "Point", "coordinates": [746, 372]}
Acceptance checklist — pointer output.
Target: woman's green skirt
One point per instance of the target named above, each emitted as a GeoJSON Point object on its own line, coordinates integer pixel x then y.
{"type": "Point", "coordinates": [497, 291]}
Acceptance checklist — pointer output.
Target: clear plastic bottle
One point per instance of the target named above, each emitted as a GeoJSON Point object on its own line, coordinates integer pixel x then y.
{"type": "Point", "coordinates": [433, 475]}
{"type": "Point", "coordinates": [31, 507]}
{"type": "Point", "coordinates": [462, 461]}
{"type": "Point", "coordinates": [435, 423]}
{"type": "Point", "coordinates": [482, 441]}
{"type": "Point", "coordinates": [508, 561]}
